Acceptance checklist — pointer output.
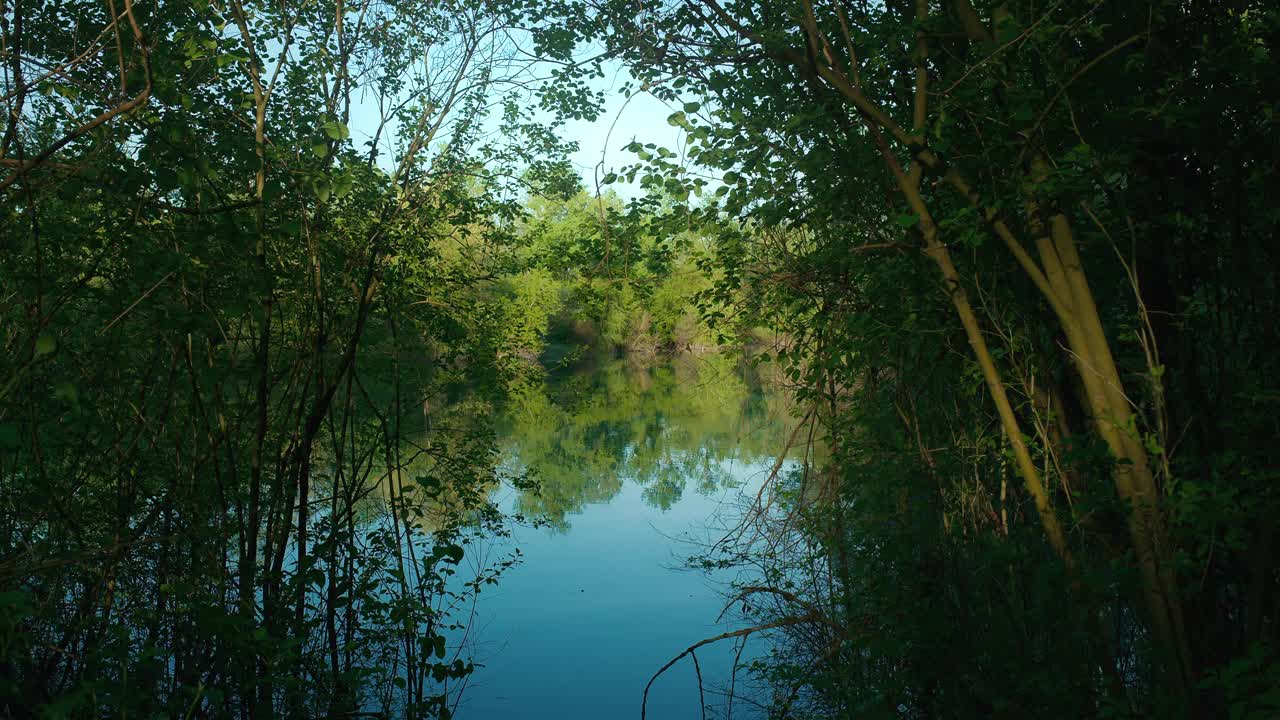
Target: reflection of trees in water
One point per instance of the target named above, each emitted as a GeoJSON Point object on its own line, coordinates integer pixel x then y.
{"type": "Point", "coordinates": [440, 475]}
{"type": "Point", "coordinates": [661, 427]}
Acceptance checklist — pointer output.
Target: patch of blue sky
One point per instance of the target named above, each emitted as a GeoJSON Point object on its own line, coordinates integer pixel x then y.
{"type": "Point", "coordinates": [600, 142]}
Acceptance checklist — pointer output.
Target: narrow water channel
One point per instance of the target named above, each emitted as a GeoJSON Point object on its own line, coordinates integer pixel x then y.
{"type": "Point", "coordinates": [639, 468]}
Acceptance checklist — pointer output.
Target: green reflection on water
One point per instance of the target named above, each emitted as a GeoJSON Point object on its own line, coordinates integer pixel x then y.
{"type": "Point", "coordinates": [583, 434]}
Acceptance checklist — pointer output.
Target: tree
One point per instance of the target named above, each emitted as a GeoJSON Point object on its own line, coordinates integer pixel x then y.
{"type": "Point", "coordinates": [225, 270]}
{"type": "Point", "coordinates": [1001, 158]}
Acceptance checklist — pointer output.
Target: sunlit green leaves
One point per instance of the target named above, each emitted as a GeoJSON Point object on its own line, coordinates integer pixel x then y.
{"type": "Point", "coordinates": [335, 130]}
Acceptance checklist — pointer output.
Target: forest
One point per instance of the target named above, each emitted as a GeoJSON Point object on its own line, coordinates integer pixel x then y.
{"type": "Point", "coordinates": [293, 293]}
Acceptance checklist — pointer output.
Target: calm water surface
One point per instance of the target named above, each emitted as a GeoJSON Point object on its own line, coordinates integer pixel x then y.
{"type": "Point", "coordinates": [638, 468]}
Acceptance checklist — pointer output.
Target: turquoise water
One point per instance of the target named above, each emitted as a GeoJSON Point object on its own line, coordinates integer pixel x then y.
{"type": "Point", "coordinates": [640, 468]}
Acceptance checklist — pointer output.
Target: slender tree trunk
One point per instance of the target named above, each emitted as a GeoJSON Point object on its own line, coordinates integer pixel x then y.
{"type": "Point", "coordinates": [941, 256]}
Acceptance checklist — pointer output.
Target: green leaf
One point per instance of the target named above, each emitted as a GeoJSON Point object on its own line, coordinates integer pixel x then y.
{"type": "Point", "coordinates": [45, 344]}
{"type": "Point", "coordinates": [336, 130]}
{"type": "Point", "coordinates": [453, 553]}
{"type": "Point", "coordinates": [67, 391]}
{"type": "Point", "coordinates": [692, 107]}
{"type": "Point", "coordinates": [343, 184]}
{"type": "Point", "coordinates": [320, 149]}
{"type": "Point", "coordinates": [907, 221]}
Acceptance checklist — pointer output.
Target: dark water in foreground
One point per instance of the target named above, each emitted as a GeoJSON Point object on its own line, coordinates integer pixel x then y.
{"type": "Point", "coordinates": [639, 468]}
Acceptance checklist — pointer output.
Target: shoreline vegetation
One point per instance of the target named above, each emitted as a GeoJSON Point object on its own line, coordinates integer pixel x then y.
{"type": "Point", "coordinates": [1011, 264]}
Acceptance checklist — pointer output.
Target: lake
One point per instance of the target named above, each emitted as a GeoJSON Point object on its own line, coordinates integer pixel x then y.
{"type": "Point", "coordinates": [640, 467]}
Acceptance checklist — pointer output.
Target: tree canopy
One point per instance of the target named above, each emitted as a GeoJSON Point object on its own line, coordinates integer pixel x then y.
{"type": "Point", "coordinates": [268, 271]}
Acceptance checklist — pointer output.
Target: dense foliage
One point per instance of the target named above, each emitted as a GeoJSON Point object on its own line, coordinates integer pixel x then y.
{"type": "Point", "coordinates": [1023, 256]}
{"type": "Point", "coordinates": [267, 269]}
{"type": "Point", "coordinates": [221, 313]}
{"type": "Point", "coordinates": [617, 277]}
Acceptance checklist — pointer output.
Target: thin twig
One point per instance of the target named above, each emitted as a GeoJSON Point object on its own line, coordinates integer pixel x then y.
{"type": "Point", "coordinates": [135, 302]}
{"type": "Point", "coordinates": [644, 702]}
